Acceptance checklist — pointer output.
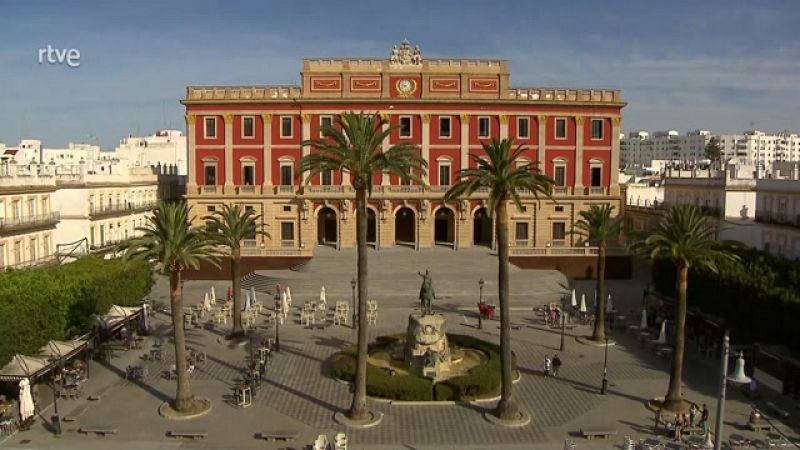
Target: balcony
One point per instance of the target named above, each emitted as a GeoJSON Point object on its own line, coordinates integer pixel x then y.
{"type": "Point", "coordinates": [248, 189]}
{"type": "Point", "coordinates": [560, 190]}
{"type": "Point", "coordinates": [208, 189]}
{"type": "Point", "coordinates": [565, 251]}
{"type": "Point", "coordinates": [9, 224]}
{"type": "Point", "coordinates": [403, 188]}
{"type": "Point", "coordinates": [285, 189]}
{"type": "Point", "coordinates": [98, 211]}
{"type": "Point", "coordinates": [325, 189]}
{"type": "Point", "coordinates": [597, 190]}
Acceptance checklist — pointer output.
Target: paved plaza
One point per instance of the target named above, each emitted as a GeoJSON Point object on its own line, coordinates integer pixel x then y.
{"type": "Point", "coordinates": [298, 396]}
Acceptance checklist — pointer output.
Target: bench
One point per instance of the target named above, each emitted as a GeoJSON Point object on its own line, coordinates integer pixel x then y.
{"type": "Point", "coordinates": [590, 433]}
{"type": "Point", "coordinates": [280, 436]}
{"type": "Point", "coordinates": [103, 431]}
{"type": "Point", "coordinates": [194, 435]}
{"type": "Point", "coordinates": [759, 426]}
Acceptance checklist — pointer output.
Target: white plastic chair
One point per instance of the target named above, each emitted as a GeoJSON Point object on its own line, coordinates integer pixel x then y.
{"type": "Point", "coordinates": [322, 443]}
{"type": "Point", "coordinates": [340, 443]}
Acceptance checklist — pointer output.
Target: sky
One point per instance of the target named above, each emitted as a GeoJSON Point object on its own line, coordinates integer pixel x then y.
{"type": "Point", "coordinates": [721, 65]}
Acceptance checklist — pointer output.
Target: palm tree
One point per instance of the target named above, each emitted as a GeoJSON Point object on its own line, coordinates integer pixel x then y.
{"type": "Point", "coordinates": [685, 237]}
{"type": "Point", "coordinates": [229, 227]}
{"type": "Point", "coordinates": [353, 146]}
{"type": "Point", "coordinates": [501, 172]}
{"type": "Point", "coordinates": [597, 224]}
{"type": "Point", "coordinates": [168, 240]}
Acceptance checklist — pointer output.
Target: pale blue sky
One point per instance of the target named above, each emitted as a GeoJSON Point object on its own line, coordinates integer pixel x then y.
{"type": "Point", "coordinates": [717, 65]}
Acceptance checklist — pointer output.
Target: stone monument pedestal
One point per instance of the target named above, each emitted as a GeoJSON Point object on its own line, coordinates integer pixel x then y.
{"type": "Point", "coordinates": [427, 349]}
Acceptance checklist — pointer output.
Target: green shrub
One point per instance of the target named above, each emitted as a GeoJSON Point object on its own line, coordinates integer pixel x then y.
{"type": "Point", "coordinates": [482, 380]}
{"type": "Point", "coordinates": [56, 302]}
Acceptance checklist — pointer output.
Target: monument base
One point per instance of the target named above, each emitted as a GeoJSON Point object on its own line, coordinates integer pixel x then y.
{"type": "Point", "coordinates": [427, 349]}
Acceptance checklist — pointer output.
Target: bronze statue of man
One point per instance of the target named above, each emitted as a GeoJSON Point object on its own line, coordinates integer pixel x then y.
{"type": "Point", "coordinates": [426, 294]}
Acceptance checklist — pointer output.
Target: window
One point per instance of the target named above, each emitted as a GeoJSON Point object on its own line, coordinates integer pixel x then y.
{"type": "Point", "coordinates": [559, 231]}
{"type": "Point", "coordinates": [444, 175]}
{"type": "Point", "coordinates": [248, 128]}
{"type": "Point", "coordinates": [210, 130]}
{"type": "Point", "coordinates": [286, 174]}
{"type": "Point", "coordinates": [248, 174]}
{"type": "Point", "coordinates": [210, 208]}
{"type": "Point", "coordinates": [597, 128]}
{"type": "Point", "coordinates": [445, 123]}
{"type": "Point", "coordinates": [91, 236]}
{"type": "Point", "coordinates": [483, 127]}
{"type": "Point", "coordinates": [405, 126]}
{"type": "Point", "coordinates": [522, 231]}
{"type": "Point", "coordinates": [523, 127]}
{"type": "Point", "coordinates": [287, 231]}
{"type": "Point", "coordinates": [209, 174]}
{"type": "Point", "coordinates": [596, 176]}
{"type": "Point", "coordinates": [559, 209]}
{"type": "Point", "coordinates": [32, 249]}
{"type": "Point", "coordinates": [286, 126]}
{"type": "Point", "coordinates": [561, 128]}
{"type": "Point", "coordinates": [560, 177]}
{"type": "Point", "coordinates": [327, 178]}
{"type": "Point", "coordinates": [287, 208]}
{"type": "Point", "coordinates": [325, 121]}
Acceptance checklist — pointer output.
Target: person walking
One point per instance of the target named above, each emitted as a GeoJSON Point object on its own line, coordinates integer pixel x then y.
{"type": "Point", "coordinates": [556, 364]}
{"type": "Point", "coordinates": [548, 366]}
{"type": "Point", "coordinates": [678, 427]}
{"type": "Point", "coordinates": [692, 414]}
{"type": "Point", "coordinates": [658, 419]}
{"type": "Point", "coordinates": [703, 417]}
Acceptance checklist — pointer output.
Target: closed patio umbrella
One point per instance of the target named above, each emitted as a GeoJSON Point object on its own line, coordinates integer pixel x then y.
{"type": "Point", "coordinates": [662, 335]}
{"type": "Point", "coordinates": [247, 301]}
{"type": "Point", "coordinates": [574, 301]}
{"type": "Point", "coordinates": [213, 295]}
{"type": "Point", "coordinates": [323, 301]}
{"type": "Point", "coordinates": [253, 293]}
{"type": "Point", "coordinates": [289, 295]}
{"type": "Point", "coordinates": [284, 303]}
{"type": "Point", "coordinates": [609, 305]}
{"type": "Point", "coordinates": [643, 323]}
{"type": "Point", "coordinates": [206, 302]}
{"type": "Point", "coordinates": [583, 303]}
{"type": "Point", "coordinates": [26, 406]}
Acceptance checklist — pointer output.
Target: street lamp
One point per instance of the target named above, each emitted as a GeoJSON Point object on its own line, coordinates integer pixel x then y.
{"type": "Point", "coordinates": [480, 303]}
{"type": "Point", "coordinates": [278, 310]}
{"type": "Point", "coordinates": [604, 385]}
{"type": "Point", "coordinates": [563, 320]}
{"type": "Point", "coordinates": [55, 418]}
{"type": "Point", "coordinates": [353, 302]}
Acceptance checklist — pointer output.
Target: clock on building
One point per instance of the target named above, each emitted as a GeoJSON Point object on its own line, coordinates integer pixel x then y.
{"type": "Point", "coordinates": [406, 87]}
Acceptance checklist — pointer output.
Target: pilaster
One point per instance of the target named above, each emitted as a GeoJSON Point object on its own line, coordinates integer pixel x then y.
{"type": "Point", "coordinates": [503, 126]}
{"type": "Point", "coordinates": [615, 126]}
{"type": "Point", "coordinates": [426, 144]}
{"type": "Point", "coordinates": [228, 118]}
{"type": "Point", "coordinates": [464, 141]}
{"type": "Point", "coordinates": [385, 144]}
{"type": "Point", "coordinates": [191, 164]}
{"type": "Point", "coordinates": [267, 121]}
{"type": "Point", "coordinates": [579, 154]}
{"type": "Point", "coordinates": [306, 134]}
{"type": "Point", "coordinates": [542, 122]}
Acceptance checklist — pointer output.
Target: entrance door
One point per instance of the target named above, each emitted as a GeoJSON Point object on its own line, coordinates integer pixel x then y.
{"type": "Point", "coordinates": [372, 228]}
{"type": "Point", "coordinates": [327, 232]}
{"type": "Point", "coordinates": [482, 228]}
{"type": "Point", "coordinates": [404, 227]}
{"type": "Point", "coordinates": [444, 227]}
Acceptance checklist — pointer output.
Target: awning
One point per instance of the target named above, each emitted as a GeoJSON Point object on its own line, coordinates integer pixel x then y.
{"type": "Point", "coordinates": [117, 315]}
{"type": "Point", "coordinates": [21, 367]}
{"type": "Point", "coordinates": [59, 350]}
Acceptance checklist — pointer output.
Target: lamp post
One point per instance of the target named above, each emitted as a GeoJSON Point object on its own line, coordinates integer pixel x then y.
{"type": "Point", "coordinates": [480, 303]}
{"type": "Point", "coordinates": [278, 310]}
{"type": "Point", "coordinates": [604, 384]}
{"type": "Point", "coordinates": [55, 418]}
{"type": "Point", "coordinates": [723, 381]}
{"type": "Point", "coordinates": [353, 283]}
{"type": "Point", "coordinates": [564, 321]}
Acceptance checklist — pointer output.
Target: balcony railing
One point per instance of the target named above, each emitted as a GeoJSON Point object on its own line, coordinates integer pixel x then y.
{"type": "Point", "coordinates": [208, 189]}
{"type": "Point", "coordinates": [324, 189]}
{"type": "Point", "coordinates": [521, 242]}
{"type": "Point", "coordinates": [286, 189]}
{"type": "Point", "coordinates": [404, 188]}
{"type": "Point", "coordinates": [24, 222]}
{"type": "Point", "coordinates": [287, 243]}
{"type": "Point", "coordinates": [565, 251]}
{"type": "Point", "coordinates": [597, 190]}
{"type": "Point", "coordinates": [246, 189]}
{"type": "Point", "coordinates": [120, 208]}
{"type": "Point", "coordinates": [560, 190]}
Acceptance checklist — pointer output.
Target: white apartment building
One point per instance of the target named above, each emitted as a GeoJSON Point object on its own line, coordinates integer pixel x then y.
{"type": "Point", "coordinates": [757, 148]}
{"type": "Point", "coordinates": [640, 148]}
{"type": "Point", "coordinates": [27, 218]}
{"type": "Point", "coordinates": [73, 154]}
{"type": "Point", "coordinates": [165, 148]}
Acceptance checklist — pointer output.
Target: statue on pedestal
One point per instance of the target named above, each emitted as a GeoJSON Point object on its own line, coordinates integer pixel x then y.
{"type": "Point", "coordinates": [426, 293]}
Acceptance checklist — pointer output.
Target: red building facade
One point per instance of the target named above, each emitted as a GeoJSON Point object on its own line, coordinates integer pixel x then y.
{"type": "Point", "coordinates": [244, 146]}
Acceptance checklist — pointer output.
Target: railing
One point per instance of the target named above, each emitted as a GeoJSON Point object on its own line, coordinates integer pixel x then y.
{"type": "Point", "coordinates": [566, 251]}
{"type": "Point", "coordinates": [325, 189]}
{"type": "Point", "coordinates": [404, 188]}
{"type": "Point", "coordinates": [38, 262]}
{"type": "Point", "coordinates": [439, 188]}
{"type": "Point", "coordinates": [249, 243]}
{"type": "Point", "coordinates": [287, 243]}
{"type": "Point", "coordinates": [564, 95]}
{"type": "Point", "coordinates": [597, 190]}
{"type": "Point", "coordinates": [18, 223]}
{"type": "Point", "coordinates": [521, 242]}
{"type": "Point", "coordinates": [208, 189]}
{"type": "Point", "coordinates": [557, 243]}
{"type": "Point", "coordinates": [107, 210]}
{"type": "Point", "coordinates": [286, 189]}
{"type": "Point", "coordinates": [560, 190]}
{"type": "Point", "coordinates": [108, 244]}
{"type": "Point", "coordinates": [246, 189]}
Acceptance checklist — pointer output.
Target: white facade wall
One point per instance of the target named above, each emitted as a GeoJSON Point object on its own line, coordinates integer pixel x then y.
{"type": "Point", "coordinates": [640, 148]}
{"type": "Point", "coordinates": [166, 147]}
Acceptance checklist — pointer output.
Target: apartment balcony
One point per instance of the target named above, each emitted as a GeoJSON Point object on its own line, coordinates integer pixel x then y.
{"type": "Point", "coordinates": [100, 211]}
{"type": "Point", "coordinates": [105, 246]}
{"type": "Point", "coordinates": [11, 224]}
{"type": "Point", "coordinates": [248, 189]}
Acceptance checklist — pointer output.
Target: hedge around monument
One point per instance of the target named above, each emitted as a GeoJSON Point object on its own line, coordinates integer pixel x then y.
{"type": "Point", "coordinates": [481, 381]}
{"type": "Point", "coordinates": [57, 302]}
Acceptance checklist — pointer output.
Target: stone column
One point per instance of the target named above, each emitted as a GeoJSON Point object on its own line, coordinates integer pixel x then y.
{"type": "Point", "coordinates": [385, 145]}
{"type": "Point", "coordinates": [306, 134]}
{"type": "Point", "coordinates": [267, 122]}
{"type": "Point", "coordinates": [191, 163]}
{"type": "Point", "coordinates": [464, 141]}
{"type": "Point", "coordinates": [579, 163]}
{"type": "Point", "coordinates": [228, 118]}
{"type": "Point", "coordinates": [426, 144]}
{"type": "Point", "coordinates": [615, 125]}
{"type": "Point", "coordinates": [503, 126]}
{"type": "Point", "coordinates": [542, 121]}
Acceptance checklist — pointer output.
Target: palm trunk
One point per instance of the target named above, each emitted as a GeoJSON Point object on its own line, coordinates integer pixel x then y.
{"type": "Point", "coordinates": [358, 409]}
{"type": "Point", "coordinates": [673, 401]}
{"type": "Point", "coordinates": [183, 393]}
{"type": "Point", "coordinates": [600, 308]}
{"type": "Point", "coordinates": [507, 408]}
{"type": "Point", "coordinates": [236, 263]}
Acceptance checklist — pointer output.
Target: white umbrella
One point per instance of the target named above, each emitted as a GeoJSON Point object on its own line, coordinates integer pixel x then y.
{"type": "Point", "coordinates": [609, 305]}
{"type": "Point", "coordinates": [662, 336]}
{"type": "Point", "coordinates": [213, 295]}
{"type": "Point", "coordinates": [583, 303]}
{"type": "Point", "coordinates": [284, 303]}
{"type": "Point", "coordinates": [206, 302]}
{"type": "Point", "coordinates": [26, 406]}
{"type": "Point", "coordinates": [574, 301]}
{"type": "Point", "coordinates": [643, 323]}
{"type": "Point", "coordinates": [288, 295]}
{"type": "Point", "coordinates": [323, 301]}
{"type": "Point", "coordinates": [145, 318]}
{"type": "Point", "coordinates": [253, 293]}
{"type": "Point", "coordinates": [247, 302]}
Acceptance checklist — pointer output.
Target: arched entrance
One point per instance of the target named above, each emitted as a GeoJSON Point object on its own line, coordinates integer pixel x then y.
{"type": "Point", "coordinates": [444, 227]}
{"type": "Point", "coordinates": [372, 228]}
{"type": "Point", "coordinates": [327, 227]}
{"type": "Point", "coordinates": [405, 227]}
{"type": "Point", "coordinates": [482, 228]}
